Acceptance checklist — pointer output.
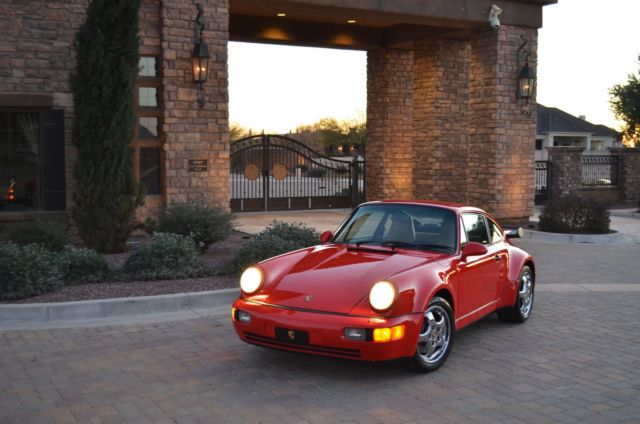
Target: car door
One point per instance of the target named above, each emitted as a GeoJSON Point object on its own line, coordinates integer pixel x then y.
{"type": "Point", "coordinates": [477, 290]}
{"type": "Point", "coordinates": [498, 248]}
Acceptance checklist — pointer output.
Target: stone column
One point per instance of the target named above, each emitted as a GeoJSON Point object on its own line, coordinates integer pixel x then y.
{"type": "Point", "coordinates": [390, 131]}
{"type": "Point", "coordinates": [566, 170]}
{"type": "Point", "coordinates": [441, 119]}
{"type": "Point", "coordinates": [500, 171]}
{"type": "Point", "coordinates": [629, 172]}
{"type": "Point", "coordinates": [191, 132]}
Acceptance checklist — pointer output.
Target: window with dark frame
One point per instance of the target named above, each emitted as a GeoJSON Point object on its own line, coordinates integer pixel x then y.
{"type": "Point", "coordinates": [20, 161]}
{"type": "Point", "coordinates": [148, 138]}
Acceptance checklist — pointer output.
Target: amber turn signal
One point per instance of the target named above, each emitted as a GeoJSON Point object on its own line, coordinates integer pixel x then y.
{"type": "Point", "coordinates": [388, 334]}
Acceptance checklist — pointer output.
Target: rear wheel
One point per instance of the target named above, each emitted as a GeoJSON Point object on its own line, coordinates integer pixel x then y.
{"type": "Point", "coordinates": [523, 306]}
{"type": "Point", "coordinates": [436, 336]}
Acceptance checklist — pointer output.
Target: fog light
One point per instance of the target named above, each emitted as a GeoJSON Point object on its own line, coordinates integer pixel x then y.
{"type": "Point", "coordinates": [243, 317]}
{"type": "Point", "coordinates": [355, 333]}
{"type": "Point", "coordinates": [388, 334]}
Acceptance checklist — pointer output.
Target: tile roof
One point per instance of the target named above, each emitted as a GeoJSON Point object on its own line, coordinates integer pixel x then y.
{"type": "Point", "coordinates": [551, 119]}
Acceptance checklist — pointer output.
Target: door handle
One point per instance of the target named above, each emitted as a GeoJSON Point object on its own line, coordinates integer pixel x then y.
{"type": "Point", "coordinates": [497, 258]}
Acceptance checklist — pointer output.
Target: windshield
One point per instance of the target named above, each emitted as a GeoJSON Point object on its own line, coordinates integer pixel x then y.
{"type": "Point", "coordinates": [399, 225]}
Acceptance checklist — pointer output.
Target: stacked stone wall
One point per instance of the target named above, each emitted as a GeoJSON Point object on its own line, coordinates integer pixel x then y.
{"type": "Point", "coordinates": [390, 132]}
{"type": "Point", "coordinates": [191, 132]}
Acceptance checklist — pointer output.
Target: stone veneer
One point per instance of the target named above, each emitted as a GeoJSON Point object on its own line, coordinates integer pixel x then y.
{"type": "Point", "coordinates": [629, 171]}
{"type": "Point", "coordinates": [471, 140]}
{"type": "Point", "coordinates": [566, 170]}
{"type": "Point", "coordinates": [36, 57]}
{"type": "Point", "coordinates": [192, 132]}
{"type": "Point", "coordinates": [390, 133]}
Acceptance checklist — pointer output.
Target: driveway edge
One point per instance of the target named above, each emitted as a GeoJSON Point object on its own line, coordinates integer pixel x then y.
{"type": "Point", "coordinates": [35, 314]}
{"type": "Point", "coordinates": [614, 238]}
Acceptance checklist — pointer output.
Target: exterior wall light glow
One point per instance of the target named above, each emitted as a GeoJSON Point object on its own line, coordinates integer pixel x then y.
{"type": "Point", "coordinates": [281, 14]}
{"type": "Point", "coordinates": [200, 55]}
{"type": "Point", "coordinates": [351, 21]}
{"type": "Point", "coordinates": [527, 77]}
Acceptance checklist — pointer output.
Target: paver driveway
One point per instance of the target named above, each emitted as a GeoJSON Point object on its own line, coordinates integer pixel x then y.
{"type": "Point", "coordinates": [576, 360]}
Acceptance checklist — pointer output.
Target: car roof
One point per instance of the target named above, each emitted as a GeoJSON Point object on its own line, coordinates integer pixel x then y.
{"type": "Point", "coordinates": [456, 207]}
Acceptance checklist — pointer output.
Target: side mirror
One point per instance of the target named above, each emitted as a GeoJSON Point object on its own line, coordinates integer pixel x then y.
{"type": "Point", "coordinates": [325, 236]}
{"type": "Point", "coordinates": [513, 232]}
{"type": "Point", "coordinates": [473, 249]}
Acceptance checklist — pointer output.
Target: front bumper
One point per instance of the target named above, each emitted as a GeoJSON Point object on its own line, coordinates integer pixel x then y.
{"type": "Point", "coordinates": [325, 332]}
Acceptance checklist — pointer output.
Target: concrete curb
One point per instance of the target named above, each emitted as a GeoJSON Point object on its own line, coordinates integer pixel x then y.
{"type": "Point", "coordinates": [614, 238]}
{"type": "Point", "coordinates": [625, 214]}
{"type": "Point", "coordinates": [41, 314]}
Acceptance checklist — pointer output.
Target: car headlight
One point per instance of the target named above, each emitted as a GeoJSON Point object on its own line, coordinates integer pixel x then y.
{"type": "Point", "coordinates": [251, 280]}
{"type": "Point", "coordinates": [382, 295]}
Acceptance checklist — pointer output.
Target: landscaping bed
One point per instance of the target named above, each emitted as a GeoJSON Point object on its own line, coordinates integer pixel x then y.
{"type": "Point", "coordinates": [217, 257]}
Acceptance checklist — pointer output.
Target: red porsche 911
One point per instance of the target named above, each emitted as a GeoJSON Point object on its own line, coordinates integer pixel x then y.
{"type": "Point", "coordinates": [396, 281]}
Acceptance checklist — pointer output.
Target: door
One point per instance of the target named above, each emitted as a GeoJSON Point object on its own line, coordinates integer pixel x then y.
{"type": "Point", "coordinates": [479, 275]}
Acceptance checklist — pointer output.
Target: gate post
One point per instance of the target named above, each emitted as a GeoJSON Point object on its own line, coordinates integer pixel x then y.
{"type": "Point", "coordinates": [355, 183]}
{"type": "Point", "coordinates": [265, 171]}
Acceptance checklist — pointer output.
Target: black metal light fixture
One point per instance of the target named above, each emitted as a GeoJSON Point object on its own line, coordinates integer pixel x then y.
{"type": "Point", "coordinates": [526, 82]}
{"type": "Point", "coordinates": [200, 55]}
{"type": "Point", "coordinates": [527, 78]}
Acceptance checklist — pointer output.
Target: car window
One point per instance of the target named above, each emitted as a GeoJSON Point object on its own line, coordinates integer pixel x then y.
{"type": "Point", "coordinates": [363, 226]}
{"type": "Point", "coordinates": [408, 225]}
{"type": "Point", "coordinates": [495, 232]}
{"type": "Point", "coordinates": [463, 233]}
{"type": "Point", "coordinates": [476, 228]}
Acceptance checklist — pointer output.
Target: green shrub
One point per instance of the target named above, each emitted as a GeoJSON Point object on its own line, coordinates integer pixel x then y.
{"type": "Point", "coordinates": [79, 265]}
{"type": "Point", "coordinates": [203, 224]}
{"type": "Point", "coordinates": [575, 215]}
{"type": "Point", "coordinates": [278, 238]}
{"type": "Point", "coordinates": [51, 235]}
{"type": "Point", "coordinates": [26, 271]}
{"type": "Point", "coordinates": [103, 84]}
{"type": "Point", "coordinates": [165, 256]}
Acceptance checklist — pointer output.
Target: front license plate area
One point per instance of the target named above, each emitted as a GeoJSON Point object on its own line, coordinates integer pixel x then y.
{"type": "Point", "coordinates": [289, 336]}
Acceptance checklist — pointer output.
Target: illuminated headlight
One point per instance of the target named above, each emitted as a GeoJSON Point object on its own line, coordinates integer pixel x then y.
{"type": "Point", "coordinates": [251, 280]}
{"type": "Point", "coordinates": [382, 296]}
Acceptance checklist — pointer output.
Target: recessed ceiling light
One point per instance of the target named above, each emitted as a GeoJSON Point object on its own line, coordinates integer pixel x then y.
{"type": "Point", "coordinates": [351, 21]}
{"type": "Point", "coordinates": [281, 14]}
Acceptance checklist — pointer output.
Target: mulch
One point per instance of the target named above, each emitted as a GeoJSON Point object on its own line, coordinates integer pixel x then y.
{"type": "Point", "coordinates": [216, 257]}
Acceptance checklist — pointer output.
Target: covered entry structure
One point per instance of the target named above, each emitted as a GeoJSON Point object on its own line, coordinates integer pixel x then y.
{"type": "Point", "coordinates": [443, 118]}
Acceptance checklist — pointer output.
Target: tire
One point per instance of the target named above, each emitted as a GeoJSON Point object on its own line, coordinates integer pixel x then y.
{"type": "Point", "coordinates": [435, 339]}
{"type": "Point", "coordinates": [521, 310]}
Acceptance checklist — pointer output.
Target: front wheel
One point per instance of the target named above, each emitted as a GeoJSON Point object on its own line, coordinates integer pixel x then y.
{"type": "Point", "coordinates": [521, 310]}
{"type": "Point", "coordinates": [436, 336]}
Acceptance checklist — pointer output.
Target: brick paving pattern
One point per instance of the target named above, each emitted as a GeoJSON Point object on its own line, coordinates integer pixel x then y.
{"type": "Point", "coordinates": [576, 361]}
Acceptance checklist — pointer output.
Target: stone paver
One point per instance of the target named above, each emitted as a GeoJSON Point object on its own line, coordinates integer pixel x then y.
{"type": "Point", "coordinates": [576, 361]}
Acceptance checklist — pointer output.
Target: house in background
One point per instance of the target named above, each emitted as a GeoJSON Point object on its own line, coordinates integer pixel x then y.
{"type": "Point", "coordinates": [558, 128]}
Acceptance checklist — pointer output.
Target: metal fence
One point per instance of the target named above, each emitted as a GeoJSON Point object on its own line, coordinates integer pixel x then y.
{"type": "Point", "coordinates": [543, 181]}
{"type": "Point", "coordinates": [600, 170]}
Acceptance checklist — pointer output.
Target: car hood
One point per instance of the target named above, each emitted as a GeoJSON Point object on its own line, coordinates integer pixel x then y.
{"type": "Point", "coordinates": [334, 278]}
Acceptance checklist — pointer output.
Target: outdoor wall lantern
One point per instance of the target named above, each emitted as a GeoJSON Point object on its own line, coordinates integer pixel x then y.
{"type": "Point", "coordinates": [527, 76]}
{"type": "Point", "coordinates": [200, 55]}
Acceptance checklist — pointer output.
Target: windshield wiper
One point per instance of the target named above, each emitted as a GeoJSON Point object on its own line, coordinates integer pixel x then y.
{"type": "Point", "coordinates": [420, 246]}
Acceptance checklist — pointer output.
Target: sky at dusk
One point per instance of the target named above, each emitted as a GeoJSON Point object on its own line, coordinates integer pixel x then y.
{"type": "Point", "coordinates": [585, 47]}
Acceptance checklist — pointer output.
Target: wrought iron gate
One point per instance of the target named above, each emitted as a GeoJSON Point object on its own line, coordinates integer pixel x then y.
{"type": "Point", "coordinates": [543, 181]}
{"type": "Point", "coordinates": [274, 172]}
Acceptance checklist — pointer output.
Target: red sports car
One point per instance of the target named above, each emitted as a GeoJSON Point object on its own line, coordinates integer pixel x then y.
{"type": "Point", "coordinates": [395, 281]}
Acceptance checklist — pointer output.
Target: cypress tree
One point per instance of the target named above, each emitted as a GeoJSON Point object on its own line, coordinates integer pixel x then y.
{"type": "Point", "coordinates": [107, 55]}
